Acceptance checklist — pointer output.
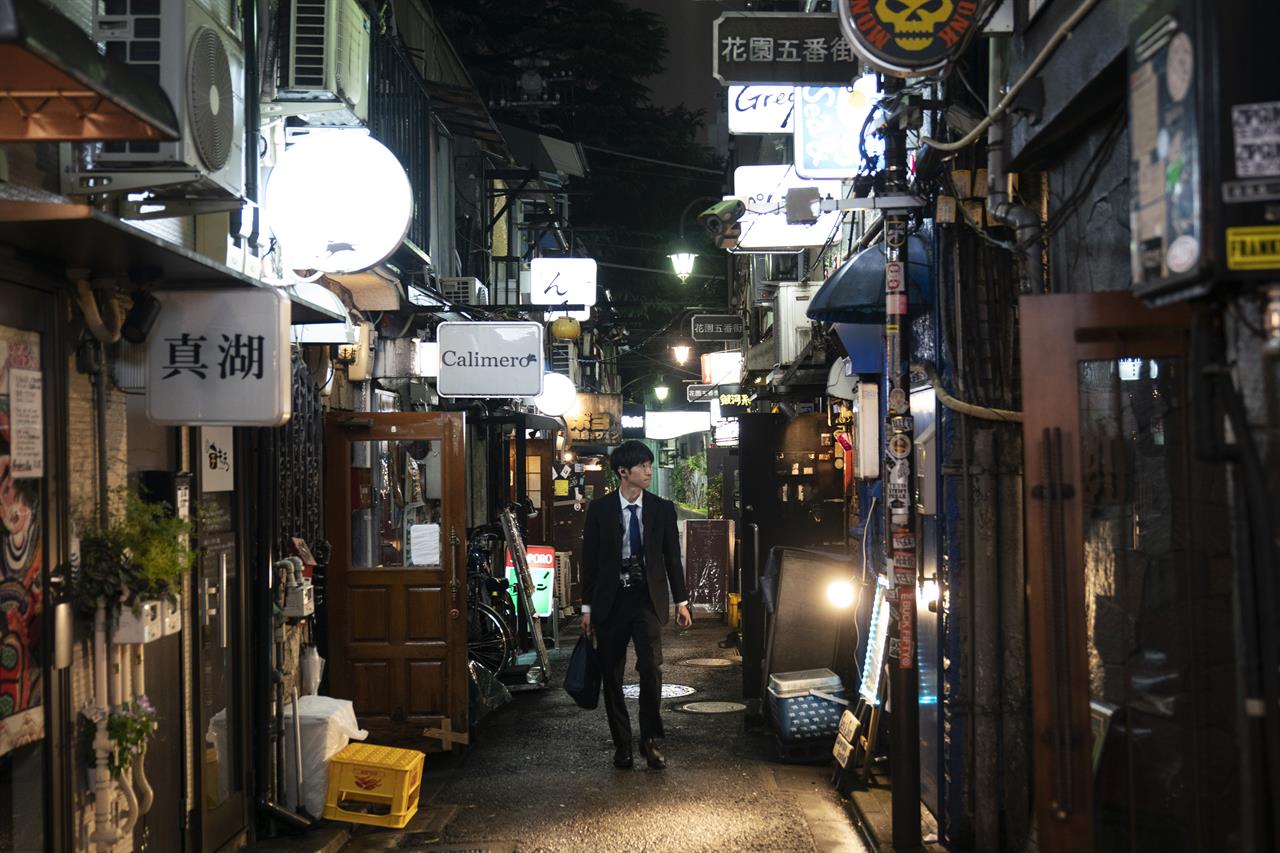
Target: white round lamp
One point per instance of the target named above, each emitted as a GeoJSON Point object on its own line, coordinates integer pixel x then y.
{"type": "Point", "coordinates": [338, 202]}
{"type": "Point", "coordinates": [558, 395]}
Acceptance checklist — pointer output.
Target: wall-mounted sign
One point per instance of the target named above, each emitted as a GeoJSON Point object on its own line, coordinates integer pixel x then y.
{"type": "Point", "coordinates": [721, 368]}
{"type": "Point", "coordinates": [717, 327]}
{"type": "Point", "coordinates": [633, 420]}
{"type": "Point", "coordinates": [597, 419]}
{"type": "Point", "coordinates": [220, 358]}
{"type": "Point", "coordinates": [761, 109]}
{"type": "Point", "coordinates": [338, 220]}
{"type": "Point", "coordinates": [562, 281]}
{"type": "Point", "coordinates": [217, 460]}
{"type": "Point", "coordinates": [733, 401]}
{"type": "Point", "coordinates": [907, 39]}
{"type": "Point", "coordinates": [764, 225]}
{"type": "Point", "coordinates": [661, 426]}
{"type": "Point", "coordinates": [26, 423]}
{"type": "Point", "coordinates": [696, 392]}
{"type": "Point", "coordinates": [829, 122]}
{"type": "Point", "coordinates": [782, 47]}
{"type": "Point", "coordinates": [502, 359]}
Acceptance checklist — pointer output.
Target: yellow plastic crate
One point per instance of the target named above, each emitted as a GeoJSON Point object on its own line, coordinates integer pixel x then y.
{"type": "Point", "coordinates": [377, 785]}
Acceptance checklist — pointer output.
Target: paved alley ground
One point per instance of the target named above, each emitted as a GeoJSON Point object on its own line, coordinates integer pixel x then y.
{"type": "Point", "coordinates": [539, 777]}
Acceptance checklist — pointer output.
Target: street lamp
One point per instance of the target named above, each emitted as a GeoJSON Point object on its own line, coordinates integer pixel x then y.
{"type": "Point", "coordinates": [681, 352]}
{"type": "Point", "coordinates": [682, 262]}
{"type": "Point", "coordinates": [661, 390]}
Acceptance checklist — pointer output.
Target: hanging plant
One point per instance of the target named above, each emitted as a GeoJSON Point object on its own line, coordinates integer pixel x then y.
{"type": "Point", "coordinates": [128, 726]}
{"type": "Point", "coordinates": [142, 555]}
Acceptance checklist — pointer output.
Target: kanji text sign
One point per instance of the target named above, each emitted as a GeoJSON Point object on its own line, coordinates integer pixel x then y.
{"type": "Point", "coordinates": [782, 47]}
{"type": "Point", "coordinates": [717, 327]}
{"type": "Point", "coordinates": [220, 358]}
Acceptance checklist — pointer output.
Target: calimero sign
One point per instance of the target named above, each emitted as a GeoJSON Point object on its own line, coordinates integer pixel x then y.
{"type": "Point", "coordinates": [907, 38]}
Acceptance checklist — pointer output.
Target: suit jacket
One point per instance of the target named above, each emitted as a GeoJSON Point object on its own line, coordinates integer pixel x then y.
{"type": "Point", "coordinates": [602, 554]}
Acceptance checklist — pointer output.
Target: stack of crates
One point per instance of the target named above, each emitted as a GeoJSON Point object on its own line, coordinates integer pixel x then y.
{"type": "Point", "coordinates": [377, 785]}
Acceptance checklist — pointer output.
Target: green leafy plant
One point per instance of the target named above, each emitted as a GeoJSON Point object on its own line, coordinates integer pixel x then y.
{"type": "Point", "coordinates": [128, 726]}
{"type": "Point", "coordinates": [715, 496]}
{"type": "Point", "coordinates": [142, 555]}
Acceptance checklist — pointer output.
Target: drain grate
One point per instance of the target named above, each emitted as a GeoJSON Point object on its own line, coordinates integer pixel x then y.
{"type": "Point", "coordinates": [669, 691]}
{"type": "Point", "coordinates": [713, 707]}
{"type": "Point", "coordinates": [708, 662]}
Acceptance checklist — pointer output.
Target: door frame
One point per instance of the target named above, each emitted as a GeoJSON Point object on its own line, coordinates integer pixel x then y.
{"type": "Point", "coordinates": [41, 315]}
{"type": "Point", "coordinates": [449, 428]}
{"type": "Point", "coordinates": [1058, 332]}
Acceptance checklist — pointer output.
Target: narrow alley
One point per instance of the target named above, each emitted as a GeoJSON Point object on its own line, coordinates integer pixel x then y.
{"type": "Point", "coordinates": [539, 778]}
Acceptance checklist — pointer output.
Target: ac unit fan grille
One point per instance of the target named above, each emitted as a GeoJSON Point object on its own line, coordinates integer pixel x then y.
{"type": "Point", "coordinates": [309, 36]}
{"type": "Point", "coordinates": [210, 102]}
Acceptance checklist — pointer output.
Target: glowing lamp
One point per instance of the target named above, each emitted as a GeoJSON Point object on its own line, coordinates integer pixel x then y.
{"type": "Point", "coordinates": [929, 592]}
{"type": "Point", "coordinates": [558, 395]}
{"type": "Point", "coordinates": [840, 594]}
{"type": "Point", "coordinates": [566, 329]}
{"type": "Point", "coordinates": [681, 353]}
{"type": "Point", "coordinates": [682, 262]}
{"type": "Point", "coordinates": [338, 202]}
{"type": "Point", "coordinates": [661, 392]}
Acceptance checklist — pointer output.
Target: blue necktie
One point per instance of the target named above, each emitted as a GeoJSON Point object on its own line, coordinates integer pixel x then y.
{"type": "Point", "coordinates": [634, 531]}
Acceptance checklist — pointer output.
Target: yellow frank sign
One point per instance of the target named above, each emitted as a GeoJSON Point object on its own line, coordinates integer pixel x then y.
{"type": "Point", "coordinates": [1253, 248]}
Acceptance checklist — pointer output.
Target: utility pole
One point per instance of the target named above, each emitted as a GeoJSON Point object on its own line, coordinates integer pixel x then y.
{"type": "Point", "coordinates": [899, 496]}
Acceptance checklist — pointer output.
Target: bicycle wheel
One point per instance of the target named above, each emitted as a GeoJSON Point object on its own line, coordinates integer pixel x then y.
{"type": "Point", "coordinates": [488, 643]}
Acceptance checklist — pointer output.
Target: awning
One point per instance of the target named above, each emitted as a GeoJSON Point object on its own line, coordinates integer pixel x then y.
{"type": "Point", "coordinates": [545, 153]}
{"type": "Point", "coordinates": [76, 236]}
{"type": "Point", "coordinates": [854, 293]}
{"type": "Point", "coordinates": [463, 111]}
{"type": "Point", "coordinates": [55, 86]}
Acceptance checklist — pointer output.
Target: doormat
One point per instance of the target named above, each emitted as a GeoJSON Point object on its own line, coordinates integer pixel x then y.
{"type": "Point", "coordinates": [712, 707]}
{"type": "Point", "coordinates": [710, 662]}
{"type": "Point", "coordinates": [669, 691]}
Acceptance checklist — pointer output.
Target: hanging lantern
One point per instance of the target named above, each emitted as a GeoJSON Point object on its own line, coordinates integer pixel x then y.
{"type": "Point", "coordinates": [566, 329]}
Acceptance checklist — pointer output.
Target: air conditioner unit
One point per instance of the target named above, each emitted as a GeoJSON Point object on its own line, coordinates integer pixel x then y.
{"type": "Point", "coordinates": [324, 72]}
{"type": "Point", "coordinates": [464, 291]}
{"type": "Point", "coordinates": [792, 329]}
{"type": "Point", "coordinates": [193, 49]}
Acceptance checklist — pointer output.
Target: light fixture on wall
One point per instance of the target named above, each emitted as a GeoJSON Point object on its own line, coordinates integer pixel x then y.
{"type": "Point", "coordinates": [558, 395]}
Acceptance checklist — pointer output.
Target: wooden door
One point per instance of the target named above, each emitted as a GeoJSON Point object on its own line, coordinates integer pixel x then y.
{"type": "Point", "coordinates": [395, 514]}
{"type": "Point", "coordinates": [1127, 556]}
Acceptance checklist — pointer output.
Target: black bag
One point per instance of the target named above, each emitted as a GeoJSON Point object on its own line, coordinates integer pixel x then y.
{"type": "Point", "coordinates": [582, 680]}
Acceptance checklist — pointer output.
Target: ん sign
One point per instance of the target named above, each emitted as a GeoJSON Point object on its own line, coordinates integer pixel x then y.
{"type": "Point", "coordinates": [490, 359]}
{"type": "Point", "coordinates": [220, 358]}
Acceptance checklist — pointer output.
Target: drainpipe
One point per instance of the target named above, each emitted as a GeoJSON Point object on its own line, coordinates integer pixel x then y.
{"type": "Point", "coordinates": [104, 833]}
{"type": "Point", "coordinates": [146, 795]}
{"type": "Point", "coordinates": [1024, 221]}
{"type": "Point", "coordinates": [124, 694]}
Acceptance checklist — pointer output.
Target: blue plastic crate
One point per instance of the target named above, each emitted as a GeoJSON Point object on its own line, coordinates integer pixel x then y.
{"type": "Point", "coordinates": [798, 714]}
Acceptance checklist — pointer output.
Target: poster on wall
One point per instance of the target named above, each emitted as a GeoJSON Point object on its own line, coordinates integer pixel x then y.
{"type": "Point", "coordinates": [21, 717]}
{"type": "Point", "coordinates": [217, 460]}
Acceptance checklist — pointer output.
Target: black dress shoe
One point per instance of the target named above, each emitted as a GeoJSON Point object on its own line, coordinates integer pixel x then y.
{"type": "Point", "coordinates": [652, 754]}
{"type": "Point", "coordinates": [622, 757]}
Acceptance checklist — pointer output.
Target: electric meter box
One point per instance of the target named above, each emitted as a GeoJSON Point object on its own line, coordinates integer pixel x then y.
{"type": "Point", "coordinates": [1204, 141]}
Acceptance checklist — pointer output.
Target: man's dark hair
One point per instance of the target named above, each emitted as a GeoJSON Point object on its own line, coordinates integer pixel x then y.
{"type": "Point", "coordinates": [629, 454]}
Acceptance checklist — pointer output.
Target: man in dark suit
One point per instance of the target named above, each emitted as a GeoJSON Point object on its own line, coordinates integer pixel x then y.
{"type": "Point", "coordinates": [631, 554]}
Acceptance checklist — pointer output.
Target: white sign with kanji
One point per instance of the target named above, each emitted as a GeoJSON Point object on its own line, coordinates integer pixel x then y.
{"type": "Point", "coordinates": [562, 281]}
{"type": "Point", "coordinates": [220, 358]}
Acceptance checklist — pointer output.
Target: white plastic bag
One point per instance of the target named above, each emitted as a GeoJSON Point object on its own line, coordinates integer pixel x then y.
{"type": "Point", "coordinates": [312, 668]}
{"type": "Point", "coordinates": [328, 725]}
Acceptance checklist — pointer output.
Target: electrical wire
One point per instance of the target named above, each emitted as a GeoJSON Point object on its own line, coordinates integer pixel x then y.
{"type": "Point", "coordinates": [1034, 68]}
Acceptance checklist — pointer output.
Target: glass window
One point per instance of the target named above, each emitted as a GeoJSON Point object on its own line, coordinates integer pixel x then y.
{"type": "Point", "coordinates": [395, 503]}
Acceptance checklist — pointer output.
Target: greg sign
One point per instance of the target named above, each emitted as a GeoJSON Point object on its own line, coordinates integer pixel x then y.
{"type": "Point", "coordinates": [490, 359]}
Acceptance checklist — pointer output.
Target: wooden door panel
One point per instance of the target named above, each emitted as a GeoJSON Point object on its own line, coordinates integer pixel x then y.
{"type": "Point", "coordinates": [397, 581]}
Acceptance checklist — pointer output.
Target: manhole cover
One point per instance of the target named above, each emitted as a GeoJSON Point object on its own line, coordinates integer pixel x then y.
{"type": "Point", "coordinates": [714, 662]}
{"type": "Point", "coordinates": [669, 691]}
{"type": "Point", "coordinates": [713, 707]}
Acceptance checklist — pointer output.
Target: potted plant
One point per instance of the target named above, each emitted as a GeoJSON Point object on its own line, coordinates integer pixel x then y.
{"type": "Point", "coordinates": [129, 725]}
{"type": "Point", "coordinates": [138, 561]}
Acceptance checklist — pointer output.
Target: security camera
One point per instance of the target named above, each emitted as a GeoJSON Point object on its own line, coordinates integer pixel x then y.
{"type": "Point", "coordinates": [722, 215]}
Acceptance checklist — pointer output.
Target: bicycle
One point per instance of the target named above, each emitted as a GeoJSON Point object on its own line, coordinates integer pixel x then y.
{"type": "Point", "coordinates": [490, 628]}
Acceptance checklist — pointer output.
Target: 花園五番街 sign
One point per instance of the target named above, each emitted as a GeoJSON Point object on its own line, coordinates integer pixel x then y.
{"type": "Point", "coordinates": [907, 39]}
{"type": "Point", "coordinates": [717, 327]}
{"type": "Point", "coordinates": [782, 47]}
{"type": "Point", "coordinates": [220, 358]}
{"type": "Point", "coordinates": [484, 359]}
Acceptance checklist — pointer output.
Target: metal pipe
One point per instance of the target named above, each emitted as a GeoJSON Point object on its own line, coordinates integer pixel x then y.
{"type": "Point", "coordinates": [104, 833]}
{"type": "Point", "coordinates": [146, 795]}
{"type": "Point", "coordinates": [297, 754]}
{"type": "Point", "coordinates": [126, 776]}
{"type": "Point", "coordinates": [1000, 207]}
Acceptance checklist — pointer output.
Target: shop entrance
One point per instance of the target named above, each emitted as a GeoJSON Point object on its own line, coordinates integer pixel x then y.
{"type": "Point", "coordinates": [1129, 584]}
{"type": "Point", "coordinates": [395, 514]}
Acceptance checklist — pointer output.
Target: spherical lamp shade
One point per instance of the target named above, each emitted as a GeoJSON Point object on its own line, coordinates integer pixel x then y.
{"type": "Point", "coordinates": [566, 329]}
{"type": "Point", "coordinates": [558, 395]}
{"type": "Point", "coordinates": [682, 262]}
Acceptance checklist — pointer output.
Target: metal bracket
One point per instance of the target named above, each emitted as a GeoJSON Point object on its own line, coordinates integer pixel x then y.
{"type": "Point", "coordinates": [81, 183]}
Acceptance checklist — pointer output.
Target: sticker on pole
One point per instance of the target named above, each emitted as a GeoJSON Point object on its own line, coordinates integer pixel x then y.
{"type": "Point", "coordinates": [899, 446]}
{"type": "Point", "coordinates": [894, 278]}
